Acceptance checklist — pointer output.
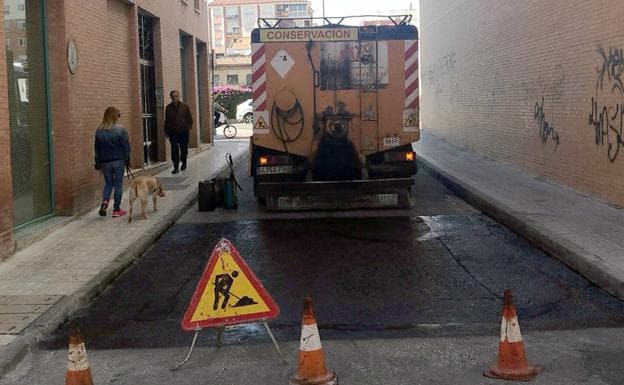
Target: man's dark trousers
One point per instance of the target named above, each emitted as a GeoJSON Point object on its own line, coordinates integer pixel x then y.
{"type": "Point", "coordinates": [179, 147]}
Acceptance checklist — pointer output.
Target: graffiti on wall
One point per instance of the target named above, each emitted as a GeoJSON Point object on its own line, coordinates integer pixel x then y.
{"type": "Point", "coordinates": [612, 67]}
{"type": "Point", "coordinates": [607, 116]}
{"type": "Point", "coordinates": [546, 131]}
{"type": "Point", "coordinates": [442, 67]}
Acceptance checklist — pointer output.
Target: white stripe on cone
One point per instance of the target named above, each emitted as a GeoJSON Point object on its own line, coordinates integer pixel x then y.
{"type": "Point", "coordinates": [77, 358]}
{"type": "Point", "coordinates": [510, 330]}
{"type": "Point", "coordinates": [310, 339]}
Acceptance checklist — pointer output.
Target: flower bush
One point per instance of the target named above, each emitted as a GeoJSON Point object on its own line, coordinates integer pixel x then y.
{"type": "Point", "coordinates": [229, 96]}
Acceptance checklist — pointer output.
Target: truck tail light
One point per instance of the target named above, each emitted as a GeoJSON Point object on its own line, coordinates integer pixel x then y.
{"type": "Point", "coordinates": [273, 160]}
{"type": "Point", "coordinates": [400, 156]}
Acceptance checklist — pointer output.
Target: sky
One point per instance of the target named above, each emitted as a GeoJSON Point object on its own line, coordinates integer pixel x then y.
{"type": "Point", "coordinates": [359, 7]}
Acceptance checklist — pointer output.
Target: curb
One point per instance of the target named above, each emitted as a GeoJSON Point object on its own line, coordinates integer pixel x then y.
{"type": "Point", "coordinates": [590, 266]}
{"type": "Point", "coordinates": [61, 311]}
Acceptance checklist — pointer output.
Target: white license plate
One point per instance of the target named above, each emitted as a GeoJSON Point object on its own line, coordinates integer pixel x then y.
{"type": "Point", "coordinates": [387, 199]}
{"type": "Point", "coordinates": [392, 141]}
{"type": "Point", "coordinates": [269, 170]}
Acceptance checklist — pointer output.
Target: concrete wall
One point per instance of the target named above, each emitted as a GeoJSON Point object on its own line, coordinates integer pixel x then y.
{"type": "Point", "coordinates": [536, 84]}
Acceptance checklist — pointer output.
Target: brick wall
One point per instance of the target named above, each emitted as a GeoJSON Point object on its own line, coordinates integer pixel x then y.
{"type": "Point", "coordinates": [532, 83]}
{"type": "Point", "coordinates": [6, 193]}
{"type": "Point", "coordinates": [106, 35]}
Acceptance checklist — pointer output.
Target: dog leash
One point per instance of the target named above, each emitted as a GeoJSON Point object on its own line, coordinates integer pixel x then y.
{"type": "Point", "coordinates": [230, 163]}
{"type": "Point", "coordinates": [129, 172]}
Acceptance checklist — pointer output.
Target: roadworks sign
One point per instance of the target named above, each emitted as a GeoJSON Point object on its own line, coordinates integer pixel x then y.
{"type": "Point", "coordinates": [228, 293]}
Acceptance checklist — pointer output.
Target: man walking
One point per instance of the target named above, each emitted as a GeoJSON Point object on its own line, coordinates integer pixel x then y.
{"type": "Point", "coordinates": [178, 123]}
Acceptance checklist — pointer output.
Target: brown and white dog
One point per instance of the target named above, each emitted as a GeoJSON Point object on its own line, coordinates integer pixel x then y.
{"type": "Point", "coordinates": [142, 187]}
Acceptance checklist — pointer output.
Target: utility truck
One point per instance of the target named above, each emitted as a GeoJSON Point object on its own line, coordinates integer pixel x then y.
{"type": "Point", "coordinates": [335, 113]}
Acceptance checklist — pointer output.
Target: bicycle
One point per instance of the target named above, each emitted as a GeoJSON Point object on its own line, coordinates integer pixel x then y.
{"type": "Point", "coordinates": [229, 130]}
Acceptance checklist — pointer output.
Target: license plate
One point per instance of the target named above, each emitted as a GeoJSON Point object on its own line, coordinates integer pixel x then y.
{"type": "Point", "coordinates": [392, 141]}
{"type": "Point", "coordinates": [386, 199]}
{"type": "Point", "coordinates": [269, 170]}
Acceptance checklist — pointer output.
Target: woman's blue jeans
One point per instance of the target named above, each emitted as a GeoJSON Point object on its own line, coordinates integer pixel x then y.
{"type": "Point", "coordinates": [113, 177]}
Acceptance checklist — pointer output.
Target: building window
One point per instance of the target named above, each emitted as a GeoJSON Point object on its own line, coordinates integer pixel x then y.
{"type": "Point", "coordinates": [217, 80]}
{"type": "Point", "coordinates": [292, 10]}
{"type": "Point", "coordinates": [22, 42]}
{"type": "Point", "coordinates": [8, 43]}
{"type": "Point", "coordinates": [267, 11]}
{"type": "Point", "coordinates": [7, 10]}
{"type": "Point", "coordinates": [232, 19]}
{"type": "Point", "coordinates": [21, 7]}
{"type": "Point", "coordinates": [248, 80]}
{"type": "Point", "coordinates": [21, 24]}
{"type": "Point", "coordinates": [232, 79]}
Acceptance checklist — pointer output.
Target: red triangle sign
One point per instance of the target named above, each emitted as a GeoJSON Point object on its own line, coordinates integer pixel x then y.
{"type": "Point", "coordinates": [228, 293]}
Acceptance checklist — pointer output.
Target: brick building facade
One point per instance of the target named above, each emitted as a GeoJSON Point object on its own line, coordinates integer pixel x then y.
{"type": "Point", "coordinates": [130, 54]}
{"type": "Point", "coordinates": [532, 83]}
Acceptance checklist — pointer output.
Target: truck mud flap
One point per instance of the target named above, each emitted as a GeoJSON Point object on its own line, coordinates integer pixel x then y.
{"type": "Point", "coordinates": [341, 195]}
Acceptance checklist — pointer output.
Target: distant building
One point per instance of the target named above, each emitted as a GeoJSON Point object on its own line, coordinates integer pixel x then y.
{"type": "Point", "coordinates": [231, 23]}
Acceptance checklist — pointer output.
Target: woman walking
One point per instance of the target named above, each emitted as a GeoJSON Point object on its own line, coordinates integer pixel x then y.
{"type": "Point", "coordinates": [112, 153]}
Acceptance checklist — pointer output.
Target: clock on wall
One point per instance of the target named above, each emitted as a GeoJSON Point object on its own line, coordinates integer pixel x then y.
{"type": "Point", "coordinates": [72, 56]}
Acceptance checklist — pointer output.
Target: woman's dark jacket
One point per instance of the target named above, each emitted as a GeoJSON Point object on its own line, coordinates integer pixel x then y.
{"type": "Point", "coordinates": [111, 144]}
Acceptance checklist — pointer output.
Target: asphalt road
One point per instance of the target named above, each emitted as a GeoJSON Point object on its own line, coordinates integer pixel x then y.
{"type": "Point", "coordinates": [402, 297]}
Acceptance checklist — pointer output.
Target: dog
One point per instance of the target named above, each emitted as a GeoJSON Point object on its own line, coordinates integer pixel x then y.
{"type": "Point", "coordinates": [142, 187]}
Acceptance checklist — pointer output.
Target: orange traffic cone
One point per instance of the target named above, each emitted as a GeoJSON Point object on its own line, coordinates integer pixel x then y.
{"type": "Point", "coordinates": [311, 368]}
{"type": "Point", "coordinates": [512, 363]}
{"type": "Point", "coordinates": [78, 372]}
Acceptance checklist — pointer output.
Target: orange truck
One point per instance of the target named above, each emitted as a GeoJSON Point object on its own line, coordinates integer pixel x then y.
{"type": "Point", "coordinates": [335, 113]}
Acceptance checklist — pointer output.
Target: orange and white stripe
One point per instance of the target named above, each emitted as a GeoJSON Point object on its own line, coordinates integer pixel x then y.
{"type": "Point", "coordinates": [311, 367]}
{"type": "Point", "coordinates": [78, 372]}
{"type": "Point", "coordinates": [411, 74]}
{"type": "Point", "coordinates": [258, 77]}
{"type": "Point", "coordinates": [512, 363]}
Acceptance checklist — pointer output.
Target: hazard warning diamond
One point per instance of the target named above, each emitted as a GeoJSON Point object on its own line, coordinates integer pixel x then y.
{"type": "Point", "coordinates": [282, 63]}
{"type": "Point", "coordinates": [228, 293]}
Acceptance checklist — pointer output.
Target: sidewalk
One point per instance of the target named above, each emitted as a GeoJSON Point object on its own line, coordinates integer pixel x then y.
{"type": "Point", "coordinates": [42, 285]}
{"type": "Point", "coordinates": [582, 232]}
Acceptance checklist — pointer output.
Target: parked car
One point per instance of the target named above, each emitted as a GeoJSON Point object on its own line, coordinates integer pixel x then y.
{"type": "Point", "coordinates": [244, 112]}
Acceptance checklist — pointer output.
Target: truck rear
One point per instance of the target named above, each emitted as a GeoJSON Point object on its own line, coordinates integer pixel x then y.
{"type": "Point", "coordinates": [335, 111]}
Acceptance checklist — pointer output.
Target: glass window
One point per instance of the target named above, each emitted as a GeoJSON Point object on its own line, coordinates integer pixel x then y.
{"type": "Point", "coordinates": [217, 80]}
{"type": "Point", "coordinates": [248, 80]}
{"type": "Point", "coordinates": [7, 10]}
{"type": "Point", "coordinates": [28, 112]}
{"type": "Point", "coordinates": [232, 79]}
{"type": "Point", "coordinates": [21, 7]}
{"type": "Point", "coordinates": [232, 19]}
{"type": "Point", "coordinates": [21, 24]}
{"type": "Point", "coordinates": [267, 11]}
{"type": "Point", "coordinates": [250, 19]}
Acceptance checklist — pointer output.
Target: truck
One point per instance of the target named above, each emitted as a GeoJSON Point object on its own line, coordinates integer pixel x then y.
{"type": "Point", "coordinates": [335, 113]}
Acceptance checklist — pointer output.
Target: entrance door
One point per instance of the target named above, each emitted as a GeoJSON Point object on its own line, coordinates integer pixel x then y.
{"type": "Point", "coordinates": [148, 89]}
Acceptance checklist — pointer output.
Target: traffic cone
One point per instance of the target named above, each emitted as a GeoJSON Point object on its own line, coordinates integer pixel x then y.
{"type": "Point", "coordinates": [512, 363]}
{"type": "Point", "coordinates": [311, 368]}
{"type": "Point", "coordinates": [78, 372]}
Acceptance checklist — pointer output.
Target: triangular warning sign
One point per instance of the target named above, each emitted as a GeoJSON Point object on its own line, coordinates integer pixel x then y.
{"type": "Point", "coordinates": [228, 293]}
{"type": "Point", "coordinates": [261, 123]}
{"type": "Point", "coordinates": [410, 121]}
